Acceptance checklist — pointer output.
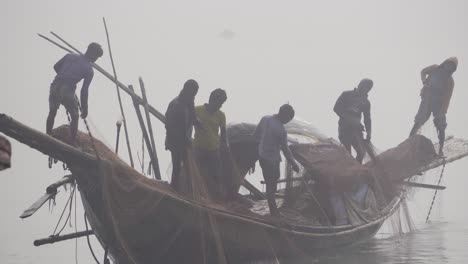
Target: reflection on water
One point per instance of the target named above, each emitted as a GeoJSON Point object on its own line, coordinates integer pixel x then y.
{"type": "Point", "coordinates": [433, 243]}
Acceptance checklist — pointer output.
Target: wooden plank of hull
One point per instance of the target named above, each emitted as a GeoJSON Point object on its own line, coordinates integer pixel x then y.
{"type": "Point", "coordinates": [180, 223]}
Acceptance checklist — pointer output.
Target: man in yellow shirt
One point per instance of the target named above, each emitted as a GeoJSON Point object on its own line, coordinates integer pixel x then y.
{"type": "Point", "coordinates": [210, 136]}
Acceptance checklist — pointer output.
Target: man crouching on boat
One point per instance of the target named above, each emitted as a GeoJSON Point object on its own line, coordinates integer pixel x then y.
{"type": "Point", "coordinates": [209, 138]}
{"type": "Point", "coordinates": [180, 118]}
{"type": "Point", "coordinates": [71, 69]}
{"type": "Point", "coordinates": [272, 138]}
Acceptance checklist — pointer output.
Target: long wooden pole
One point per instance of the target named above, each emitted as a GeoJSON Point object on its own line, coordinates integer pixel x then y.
{"type": "Point", "coordinates": [154, 161]}
{"type": "Point", "coordinates": [45, 143]}
{"type": "Point", "coordinates": [144, 131]}
{"type": "Point", "coordinates": [53, 239]}
{"type": "Point", "coordinates": [118, 95]}
{"type": "Point", "coordinates": [134, 96]}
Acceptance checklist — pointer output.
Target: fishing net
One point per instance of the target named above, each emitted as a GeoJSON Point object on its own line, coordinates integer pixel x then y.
{"type": "Point", "coordinates": [142, 220]}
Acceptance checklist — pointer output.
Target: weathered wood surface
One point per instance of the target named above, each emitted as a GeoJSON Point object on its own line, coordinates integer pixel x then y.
{"type": "Point", "coordinates": [423, 185]}
{"type": "Point", "coordinates": [53, 239]}
{"type": "Point", "coordinates": [51, 191]}
{"type": "Point", "coordinates": [44, 143]}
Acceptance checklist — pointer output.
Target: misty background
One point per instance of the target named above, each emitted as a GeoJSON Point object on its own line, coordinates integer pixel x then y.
{"type": "Point", "coordinates": [264, 53]}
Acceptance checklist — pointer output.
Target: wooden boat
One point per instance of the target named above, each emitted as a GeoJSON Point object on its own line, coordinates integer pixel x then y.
{"type": "Point", "coordinates": [141, 220]}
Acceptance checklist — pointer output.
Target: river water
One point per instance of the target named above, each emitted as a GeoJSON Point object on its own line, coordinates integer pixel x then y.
{"type": "Point", "coordinates": [436, 242]}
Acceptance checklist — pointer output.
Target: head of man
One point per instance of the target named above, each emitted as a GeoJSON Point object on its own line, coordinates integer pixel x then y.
{"type": "Point", "coordinates": [365, 85]}
{"type": "Point", "coordinates": [450, 64]}
{"type": "Point", "coordinates": [286, 113]}
{"type": "Point", "coordinates": [217, 99]}
{"type": "Point", "coordinates": [189, 91]}
{"type": "Point", "coordinates": [94, 51]}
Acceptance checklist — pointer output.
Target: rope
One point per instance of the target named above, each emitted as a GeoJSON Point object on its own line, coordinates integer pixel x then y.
{"type": "Point", "coordinates": [87, 128]}
{"type": "Point", "coordinates": [435, 193]}
{"type": "Point", "coordinates": [76, 239]}
{"type": "Point", "coordinates": [61, 216]}
{"type": "Point", "coordinates": [89, 242]}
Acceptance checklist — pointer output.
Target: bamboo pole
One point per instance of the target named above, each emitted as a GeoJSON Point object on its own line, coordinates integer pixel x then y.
{"type": "Point", "coordinates": [118, 95]}
{"type": "Point", "coordinates": [53, 239]}
{"type": "Point", "coordinates": [143, 130]}
{"type": "Point", "coordinates": [154, 161]}
{"type": "Point", "coordinates": [134, 96]}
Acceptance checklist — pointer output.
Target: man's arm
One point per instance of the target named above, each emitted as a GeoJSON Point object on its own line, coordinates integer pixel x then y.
{"type": "Point", "coordinates": [223, 134]}
{"type": "Point", "coordinates": [426, 71]}
{"type": "Point", "coordinates": [447, 95]}
{"type": "Point", "coordinates": [287, 152]}
{"type": "Point", "coordinates": [84, 94]}
{"type": "Point", "coordinates": [367, 120]}
{"type": "Point", "coordinates": [58, 65]}
{"type": "Point", "coordinates": [339, 105]}
{"type": "Point", "coordinates": [258, 130]}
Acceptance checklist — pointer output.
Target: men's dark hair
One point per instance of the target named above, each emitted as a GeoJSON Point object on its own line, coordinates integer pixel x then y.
{"type": "Point", "coordinates": [190, 85]}
{"type": "Point", "coordinates": [287, 111]}
{"type": "Point", "coordinates": [366, 83]}
{"type": "Point", "coordinates": [94, 50]}
{"type": "Point", "coordinates": [218, 95]}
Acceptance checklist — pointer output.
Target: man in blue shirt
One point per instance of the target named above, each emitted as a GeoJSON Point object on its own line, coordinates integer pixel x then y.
{"type": "Point", "coordinates": [273, 138]}
{"type": "Point", "coordinates": [71, 69]}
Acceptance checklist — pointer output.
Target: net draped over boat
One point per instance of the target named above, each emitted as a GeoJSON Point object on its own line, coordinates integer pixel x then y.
{"type": "Point", "coordinates": [145, 221]}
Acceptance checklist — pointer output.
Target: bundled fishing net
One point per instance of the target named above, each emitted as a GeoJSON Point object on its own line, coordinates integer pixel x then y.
{"type": "Point", "coordinates": [145, 221]}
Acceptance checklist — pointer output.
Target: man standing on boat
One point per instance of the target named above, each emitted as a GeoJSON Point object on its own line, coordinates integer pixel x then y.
{"type": "Point", "coordinates": [272, 137]}
{"type": "Point", "coordinates": [209, 138]}
{"type": "Point", "coordinates": [350, 106]}
{"type": "Point", "coordinates": [71, 69]}
{"type": "Point", "coordinates": [435, 97]}
{"type": "Point", "coordinates": [180, 118]}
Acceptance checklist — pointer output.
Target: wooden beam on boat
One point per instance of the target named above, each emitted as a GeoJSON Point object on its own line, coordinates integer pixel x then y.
{"type": "Point", "coordinates": [143, 129]}
{"type": "Point", "coordinates": [53, 239]}
{"type": "Point", "coordinates": [423, 185]}
{"type": "Point", "coordinates": [256, 192]}
{"type": "Point", "coordinates": [287, 180]}
{"type": "Point", "coordinates": [45, 143]}
{"type": "Point", "coordinates": [51, 191]}
{"type": "Point", "coordinates": [154, 161]}
{"type": "Point", "coordinates": [134, 96]}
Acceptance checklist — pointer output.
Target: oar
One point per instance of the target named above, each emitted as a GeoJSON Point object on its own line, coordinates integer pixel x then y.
{"type": "Point", "coordinates": [51, 191]}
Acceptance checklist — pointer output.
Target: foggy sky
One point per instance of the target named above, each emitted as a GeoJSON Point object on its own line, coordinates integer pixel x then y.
{"type": "Point", "coordinates": [263, 53]}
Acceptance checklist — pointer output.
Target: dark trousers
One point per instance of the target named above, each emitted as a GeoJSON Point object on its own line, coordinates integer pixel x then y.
{"type": "Point", "coordinates": [178, 157]}
{"type": "Point", "coordinates": [271, 174]}
{"type": "Point", "coordinates": [209, 164]}
{"type": "Point", "coordinates": [431, 104]}
{"type": "Point", "coordinates": [63, 94]}
{"type": "Point", "coordinates": [352, 136]}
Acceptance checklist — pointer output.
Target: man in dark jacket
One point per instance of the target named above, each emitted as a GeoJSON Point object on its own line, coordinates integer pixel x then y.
{"type": "Point", "coordinates": [350, 106]}
{"type": "Point", "coordinates": [435, 97]}
{"type": "Point", "coordinates": [180, 118]}
{"type": "Point", "coordinates": [71, 69]}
